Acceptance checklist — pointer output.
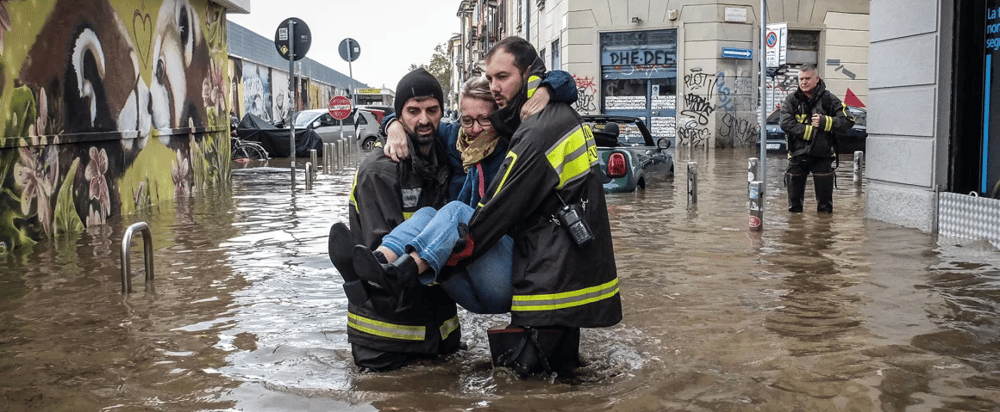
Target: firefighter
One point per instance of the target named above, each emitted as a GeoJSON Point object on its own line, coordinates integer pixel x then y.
{"type": "Point", "coordinates": [809, 118]}
{"type": "Point", "coordinates": [393, 322]}
{"type": "Point", "coordinates": [548, 197]}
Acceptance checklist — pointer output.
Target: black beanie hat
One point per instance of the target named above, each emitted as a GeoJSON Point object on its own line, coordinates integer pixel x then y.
{"type": "Point", "coordinates": [415, 84]}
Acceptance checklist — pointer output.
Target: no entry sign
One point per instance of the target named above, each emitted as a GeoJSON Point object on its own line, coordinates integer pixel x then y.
{"type": "Point", "coordinates": [340, 107]}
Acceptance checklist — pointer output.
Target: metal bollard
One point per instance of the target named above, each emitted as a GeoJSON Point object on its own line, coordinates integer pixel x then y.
{"type": "Point", "coordinates": [859, 158]}
{"type": "Point", "coordinates": [309, 174]}
{"type": "Point", "coordinates": [313, 159]}
{"type": "Point", "coordinates": [336, 154]}
{"type": "Point", "coordinates": [756, 206]}
{"type": "Point", "coordinates": [328, 158]}
{"type": "Point", "coordinates": [147, 254]}
{"type": "Point", "coordinates": [692, 175]}
{"type": "Point", "coordinates": [753, 168]}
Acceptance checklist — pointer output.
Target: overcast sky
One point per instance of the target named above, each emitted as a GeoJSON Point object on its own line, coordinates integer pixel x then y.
{"type": "Point", "coordinates": [392, 33]}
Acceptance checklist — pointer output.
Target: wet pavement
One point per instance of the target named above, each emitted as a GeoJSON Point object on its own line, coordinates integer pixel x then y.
{"type": "Point", "coordinates": [816, 313]}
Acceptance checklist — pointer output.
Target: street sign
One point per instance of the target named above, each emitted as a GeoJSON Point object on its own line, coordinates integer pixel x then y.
{"type": "Point", "coordinates": [349, 49]}
{"type": "Point", "coordinates": [302, 40]}
{"type": "Point", "coordinates": [777, 44]}
{"type": "Point", "coordinates": [340, 107]}
{"type": "Point", "coordinates": [734, 53]}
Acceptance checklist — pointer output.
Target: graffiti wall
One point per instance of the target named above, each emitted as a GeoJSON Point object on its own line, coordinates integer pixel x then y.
{"type": "Point", "coordinates": [257, 90]}
{"type": "Point", "coordinates": [719, 109]}
{"type": "Point", "coordinates": [108, 106]}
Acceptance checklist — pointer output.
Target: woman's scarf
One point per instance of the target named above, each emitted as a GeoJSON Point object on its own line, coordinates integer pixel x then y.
{"type": "Point", "coordinates": [474, 150]}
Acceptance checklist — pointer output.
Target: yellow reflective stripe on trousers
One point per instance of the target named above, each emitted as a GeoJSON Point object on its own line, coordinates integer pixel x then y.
{"type": "Point", "coordinates": [533, 83]}
{"type": "Point", "coordinates": [554, 301]}
{"type": "Point", "coordinates": [448, 327]}
{"type": "Point", "coordinates": [572, 155]}
{"type": "Point", "coordinates": [384, 329]}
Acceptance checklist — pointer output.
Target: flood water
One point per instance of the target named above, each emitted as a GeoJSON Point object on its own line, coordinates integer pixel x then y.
{"type": "Point", "coordinates": [817, 313]}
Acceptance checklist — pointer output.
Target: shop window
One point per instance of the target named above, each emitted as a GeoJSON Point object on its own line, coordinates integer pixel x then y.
{"type": "Point", "coordinates": [556, 63]}
{"type": "Point", "coordinates": [803, 47]}
{"type": "Point", "coordinates": [625, 94]}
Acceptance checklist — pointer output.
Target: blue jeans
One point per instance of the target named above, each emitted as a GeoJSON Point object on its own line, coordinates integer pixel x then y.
{"type": "Point", "coordinates": [484, 286]}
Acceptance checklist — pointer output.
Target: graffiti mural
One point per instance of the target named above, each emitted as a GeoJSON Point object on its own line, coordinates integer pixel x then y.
{"type": "Point", "coordinates": [742, 131]}
{"type": "Point", "coordinates": [257, 90]}
{"type": "Point", "coordinates": [107, 107]}
{"type": "Point", "coordinates": [586, 91]}
{"type": "Point", "coordinates": [691, 134]}
{"type": "Point", "coordinates": [235, 87]}
{"type": "Point", "coordinates": [281, 99]}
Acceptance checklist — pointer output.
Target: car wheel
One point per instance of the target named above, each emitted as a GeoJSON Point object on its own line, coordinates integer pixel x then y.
{"type": "Point", "coordinates": [368, 144]}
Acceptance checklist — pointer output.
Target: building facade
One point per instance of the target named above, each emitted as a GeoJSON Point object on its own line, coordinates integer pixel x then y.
{"type": "Point", "coordinates": [934, 136]}
{"type": "Point", "coordinates": [662, 60]}
{"type": "Point", "coordinates": [259, 77]}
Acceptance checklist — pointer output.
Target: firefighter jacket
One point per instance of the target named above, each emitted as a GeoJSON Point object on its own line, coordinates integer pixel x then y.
{"type": "Point", "coordinates": [796, 122]}
{"type": "Point", "coordinates": [422, 319]}
{"type": "Point", "coordinates": [551, 159]}
{"type": "Point", "coordinates": [560, 83]}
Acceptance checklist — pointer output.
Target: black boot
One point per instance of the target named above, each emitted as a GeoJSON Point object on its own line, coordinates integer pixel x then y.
{"type": "Point", "coordinates": [341, 251]}
{"type": "Point", "coordinates": [394, 277]}
{"type": "Point", "coordinates": [824, 192]}
{"type": "Point", "coordinates": [796, 191]}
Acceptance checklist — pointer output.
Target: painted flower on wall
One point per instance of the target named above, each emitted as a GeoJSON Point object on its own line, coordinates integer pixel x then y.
{"type": "Point", "coordinates": [96, 168]}
{"type": "Point", "coordinates": [35, 173]}
{"type": "Point", "coordinates": [4, 21]}
{"type": "Point", "coordinates": [213, 88]}
{"type": "Point", "coordinates": [179, 172]}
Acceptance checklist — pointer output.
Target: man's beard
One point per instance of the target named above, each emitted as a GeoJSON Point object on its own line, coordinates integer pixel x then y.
{"type": "Point", "coordinates": [418, 139]}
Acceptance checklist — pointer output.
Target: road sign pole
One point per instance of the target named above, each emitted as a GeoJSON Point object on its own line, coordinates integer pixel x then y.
{"type": "Point", "coordinates": [291, 87]}
{"type": "Point", "coordinates": [763, 115]}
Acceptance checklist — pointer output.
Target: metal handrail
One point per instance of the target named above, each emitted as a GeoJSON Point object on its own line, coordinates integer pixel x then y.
{"type": "Point", "coordinates": [147, 242]}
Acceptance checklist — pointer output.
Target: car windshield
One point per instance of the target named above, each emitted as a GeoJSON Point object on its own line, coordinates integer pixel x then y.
{"type": "Point", "coordinates": [630, 135]}
{"type": "Point", "coordinates": [774, 118]}
{"type": "Point", "coordinates": [303, 119]}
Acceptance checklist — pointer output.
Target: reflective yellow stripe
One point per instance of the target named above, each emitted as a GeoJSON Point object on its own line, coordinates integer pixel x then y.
{"type": "Point", "coordinates": [828, 123]}
{"type": "Point", "coordinates": [513, 159]}
{"type": "Point", "coordinates": [354, 185]}
{"type": "Point", "coordinates": [808, 133]}
{"type": "Point", "coordinates": [847, 113]}
{"type": "Point", "coordinates": [533, 82]}
{"type": "Point", "coordinates": [384, 329]}
{"type": "Point", "coordinates": [572, 155]}
{"type": "Point", "coordinates": [554, 301]}
{"type": "Point", "coordinates": [802, 118]}
{"type": "Point", "coordinates": [448, 327]}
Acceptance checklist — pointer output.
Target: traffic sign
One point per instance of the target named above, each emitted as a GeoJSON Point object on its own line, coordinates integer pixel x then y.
{"type": "Point", "coordinates": [340, 107]}
{"type": "Point", "coordinates": [303, 39]}
{"type": "Point", "coordinates": [734, 53]}
{"type": "Point", "coordinates": [349, 49]}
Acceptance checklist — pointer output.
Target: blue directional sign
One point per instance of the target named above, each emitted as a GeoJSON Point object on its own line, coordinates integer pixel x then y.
{"type": "Point", "coordinates": [734, 53]}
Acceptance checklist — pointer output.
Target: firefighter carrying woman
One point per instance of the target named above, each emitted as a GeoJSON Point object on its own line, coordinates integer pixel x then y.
{"type": "Point", "coordinates": [526, 232]}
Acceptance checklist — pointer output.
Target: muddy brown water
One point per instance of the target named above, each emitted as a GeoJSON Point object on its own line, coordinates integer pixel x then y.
{"type": "Point", "coordinates": [246, 313]}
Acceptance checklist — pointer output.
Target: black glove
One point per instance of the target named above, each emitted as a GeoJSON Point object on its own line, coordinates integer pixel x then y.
{"type": "Point", "coordinates": [463, 236]}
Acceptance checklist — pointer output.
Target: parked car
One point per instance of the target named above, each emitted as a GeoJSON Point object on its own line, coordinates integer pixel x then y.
{"type": "Point", "coordinates": [630, 156]}
{"type": "Point", "coordinates": [847, 143]}
{"type": "Point", "coordinates": [362, 125]}
{"type": "Point", "coordinates": [775, 136]}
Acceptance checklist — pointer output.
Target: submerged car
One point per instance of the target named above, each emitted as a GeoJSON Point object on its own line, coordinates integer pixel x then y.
{"type": "Point", "coordinates": [629, 154]}
{"type": "Point", "coordinates": [847, 143]}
